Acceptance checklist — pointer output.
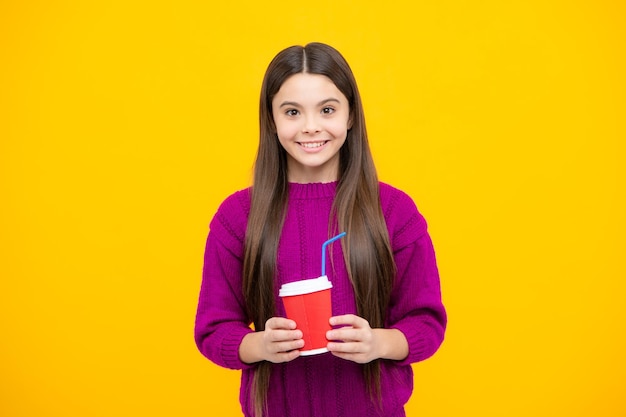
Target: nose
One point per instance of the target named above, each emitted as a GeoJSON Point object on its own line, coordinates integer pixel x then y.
{"type": "Point", "coordinates": [311, 125]}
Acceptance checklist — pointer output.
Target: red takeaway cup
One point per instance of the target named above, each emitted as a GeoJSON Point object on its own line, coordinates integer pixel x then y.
{"type": "Point", "coordinates": [308, 303]}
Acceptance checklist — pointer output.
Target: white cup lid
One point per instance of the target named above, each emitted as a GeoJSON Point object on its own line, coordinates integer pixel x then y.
{"type": "Point", "coordinates": [305, 286]}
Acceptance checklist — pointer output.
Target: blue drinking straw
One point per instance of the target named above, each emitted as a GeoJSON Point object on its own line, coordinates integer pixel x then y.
{"type": "Point", "coordinates": [339, 236]}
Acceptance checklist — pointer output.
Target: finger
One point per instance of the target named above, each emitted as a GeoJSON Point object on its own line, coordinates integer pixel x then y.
{"type": "Point", "coordinates": [347, 347]}
{"type": "Point", "coordinates": [355, 352]}
{"type": "Point", "coordinates": [354, 357]}
{"type": "Point", "coordinates": [280, 323]}
{"type": "Point", "coordinates": [348, 320]}
{"type": "Point", "coordinates": [285, 347]}
{"type": "Point", "coordinates": [285, 356]}
{"type": "Point", "coordinates": [348, 334]}
{"type": "Point", "coordinates": [283, 335]}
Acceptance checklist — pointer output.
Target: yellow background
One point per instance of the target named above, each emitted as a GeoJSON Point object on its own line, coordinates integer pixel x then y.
{"type": "Point", "coordinates": [124, 124]}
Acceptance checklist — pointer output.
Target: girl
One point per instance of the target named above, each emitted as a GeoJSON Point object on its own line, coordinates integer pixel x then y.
{"type": "Point", "coordinates": [314, 176]}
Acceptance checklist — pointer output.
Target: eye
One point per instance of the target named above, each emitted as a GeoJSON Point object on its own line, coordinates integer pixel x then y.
{"type": "Point", "coordinates": [328, 110]}
{"type": "Point", "coordinates": [292, 112]}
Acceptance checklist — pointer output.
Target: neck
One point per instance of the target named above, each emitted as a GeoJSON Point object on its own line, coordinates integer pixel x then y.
{"type": "Point", "coordinates": [306, 175]}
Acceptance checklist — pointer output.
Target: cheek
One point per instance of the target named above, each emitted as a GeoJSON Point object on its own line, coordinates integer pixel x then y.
{"type": "Point", "coordinates": [339, 130]}
{"type": "Point", "coordinates": [281, 135]}
{"type": "Point", "coordinates": [286, 131]}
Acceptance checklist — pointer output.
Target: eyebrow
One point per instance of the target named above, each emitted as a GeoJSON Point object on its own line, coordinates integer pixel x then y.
{"type": "Point", "coordinates": [321, 103]}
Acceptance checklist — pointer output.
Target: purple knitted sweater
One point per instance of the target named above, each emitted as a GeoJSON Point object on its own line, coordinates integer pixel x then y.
{"type": "Point", "coordinates": [321, 385]}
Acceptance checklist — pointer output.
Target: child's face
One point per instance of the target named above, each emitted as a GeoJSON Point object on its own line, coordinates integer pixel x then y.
{"type": "Point", "coordinates": [312, 122]}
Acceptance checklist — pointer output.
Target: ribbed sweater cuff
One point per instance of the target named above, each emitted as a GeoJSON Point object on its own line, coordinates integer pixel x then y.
{"type": "Point", "coordinates": [229, 351]}
{"type": "Point", "coordinates": [423, 340]}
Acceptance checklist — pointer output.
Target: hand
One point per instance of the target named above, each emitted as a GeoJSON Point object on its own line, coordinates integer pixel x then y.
{"type": "Point", "coordinates": [279, 342]}
{"type": "Point", "coordinates": [358, 342]}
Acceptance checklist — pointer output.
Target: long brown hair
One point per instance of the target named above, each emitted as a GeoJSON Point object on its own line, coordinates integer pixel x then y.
{"type": "Point", "coordinates": [356, 208]}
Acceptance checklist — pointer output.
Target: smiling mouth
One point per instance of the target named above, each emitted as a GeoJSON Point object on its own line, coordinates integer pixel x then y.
{"type": "Point", "coordinates": [312, 145]}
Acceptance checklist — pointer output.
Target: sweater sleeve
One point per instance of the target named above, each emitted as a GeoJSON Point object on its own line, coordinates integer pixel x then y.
{"type": "Point", "coordinates": [221, 320]}
{"type": "Point", "coordinates": [416, 307]}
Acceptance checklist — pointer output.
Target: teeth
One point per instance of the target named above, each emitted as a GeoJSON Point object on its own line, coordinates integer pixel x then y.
{"type": "Point", "coordinates": [313, 144]}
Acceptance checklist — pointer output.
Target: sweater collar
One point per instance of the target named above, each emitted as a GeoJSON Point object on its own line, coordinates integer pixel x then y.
{"type": "Point", "coordinates": [312, 190]}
